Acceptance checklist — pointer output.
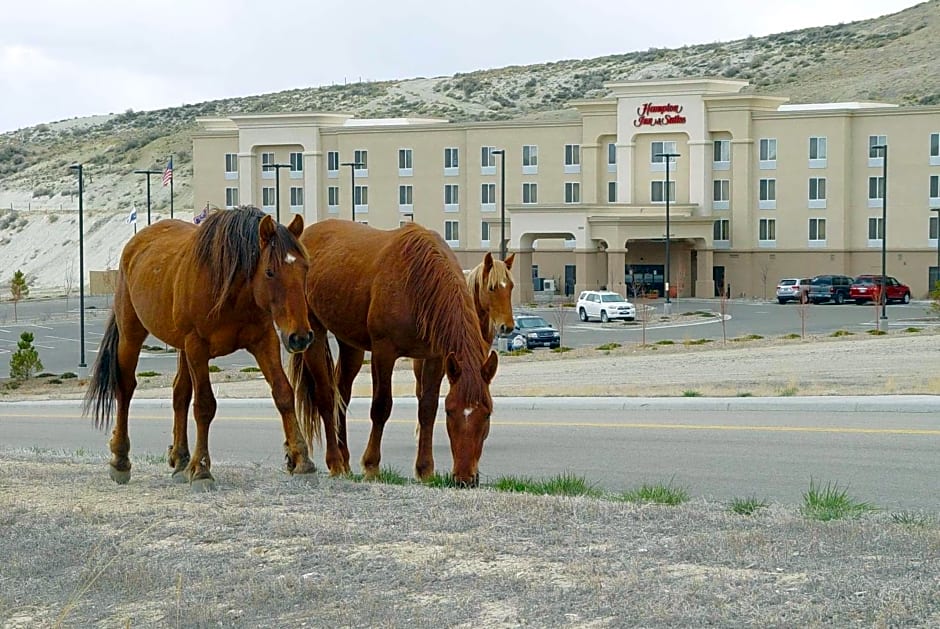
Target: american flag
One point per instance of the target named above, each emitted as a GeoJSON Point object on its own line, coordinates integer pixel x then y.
{"type": "Point", "coordinates": [168, 173]}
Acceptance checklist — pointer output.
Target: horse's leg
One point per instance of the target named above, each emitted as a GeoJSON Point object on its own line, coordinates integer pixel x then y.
{"type": "Point", "coordinates": [204, 405]}
{"type": "Point", "coordinates": [383, 362]}
{"type": "Point", "coordinates": [347, 368]}
{"type": "Point", "coordinates": [417, 364]}
{"type": "Point", "coordinates": [318, 363]}
{"type": "Point", "coordinates": [268, 354]}
{"type": "Point", "coordinates": [132, 337]}
{"type": "Point", "coordinates": [432, 374]}
{"type": "Point", "coordinates": [178, 455]}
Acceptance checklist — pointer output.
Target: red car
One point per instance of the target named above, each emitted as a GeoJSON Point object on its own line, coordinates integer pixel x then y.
{"type": "Point", "coordinates": [867, 288]}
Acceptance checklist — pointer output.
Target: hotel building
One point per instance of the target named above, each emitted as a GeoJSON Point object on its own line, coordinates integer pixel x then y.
{"type": "Point", "coordinates": [758, 190]}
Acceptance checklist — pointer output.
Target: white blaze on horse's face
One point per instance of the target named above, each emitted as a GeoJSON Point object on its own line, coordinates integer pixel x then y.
{"type": "Point", "coordinates": [467, 412]}
{"type": "Point", "coordinates": [290, 259]}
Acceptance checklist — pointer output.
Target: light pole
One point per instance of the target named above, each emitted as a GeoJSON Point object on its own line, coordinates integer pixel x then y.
{"type": "Point", "coordinates": [148, 172]}
{"type": "Point", "coordinates": [502, 201]}
{"type": "Point", "coordinates": [884, 230]}
{"type": "Point", "coordinates": [936, 278]}
{"type": "Point", "coordinates": [667, 307]}
{"type": "Point", "coordinates": [81, 265]}
{"type": "Point", "coordinates": [352, 172]}
{"type": "Point", "coordinates": [277, 187]}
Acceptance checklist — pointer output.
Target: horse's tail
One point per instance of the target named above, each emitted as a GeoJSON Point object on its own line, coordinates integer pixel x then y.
{"type": "Point", "coordinates": [105, 378]}
{"type": "Point", "coordinates": [304, 385]}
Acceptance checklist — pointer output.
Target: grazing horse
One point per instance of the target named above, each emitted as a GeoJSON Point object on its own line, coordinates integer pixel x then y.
{"type": "Point", "coordinates": [394, 293]}
{"type": "Point", "coordinates": [490, 283]}
{"type": "Point", "coordinates": [234, 282]}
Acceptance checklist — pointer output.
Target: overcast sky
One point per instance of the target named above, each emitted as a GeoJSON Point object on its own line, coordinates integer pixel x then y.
{"type": "Point", "coordinates": [65, 58]}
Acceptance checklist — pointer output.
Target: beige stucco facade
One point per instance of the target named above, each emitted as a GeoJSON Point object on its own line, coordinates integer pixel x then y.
{"type": "Point", "coordinates": [762, 190]}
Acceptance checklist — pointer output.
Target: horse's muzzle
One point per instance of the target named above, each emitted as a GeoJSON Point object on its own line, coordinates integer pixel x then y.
{"type": "Point", "coordinates": [299, 342]}
{"type": "Point", "coordinates": [468, 482]}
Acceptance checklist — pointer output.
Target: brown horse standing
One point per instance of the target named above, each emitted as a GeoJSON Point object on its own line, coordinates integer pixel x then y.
{"type": "Point", "coordinates": [208, 291]}
{"type": "Point", "coordinates": [394, 293]}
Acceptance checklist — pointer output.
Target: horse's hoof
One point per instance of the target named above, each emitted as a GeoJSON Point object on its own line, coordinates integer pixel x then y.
{"type": "Point", "coordinates": [202, 485]}
{"type": "Point", "coordinates": [180, 476]}
{"type": "Point", "coordinates": [121, 477]}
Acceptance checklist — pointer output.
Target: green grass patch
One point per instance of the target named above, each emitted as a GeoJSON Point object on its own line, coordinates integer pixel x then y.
{"type": "Point", "coordinates": [876, 332]}
{"type": "Point", "coordinates": [749, 337]}
{"type": "Point", "coordinates": [562, 485]}
{"type": "Point", "coordinates": [839, 333]}
{"type": "Point", "coordinates": [696, 341]}
{"type": "Point", "coordinates": [656, 494]}
{"type": "Point", "coordinates": [831, 503]}
{"type": "Point", "coordinates": [387, 475]}
{"type": "Point", "coordinates": [790, 337]}
{"type": "Point", "coordinates": [911, 518]}
{"type": "Point", "coordinates": [45, 374]}
{"type": "Point", "coordinates": [606, 347]}
{"type": "Point", "coordinates": [788, 392]}
{"type": "Point", "coordinates": [517, 352]}
{"type": "Point", "coordinates": [561, 350]}
{"type": "Point", "coordinates": [68, 375]}
{"type": "Point", "coordinates": [214, 369]}
{"type": "Point", "coordinates": [912, 330]}
{"type": "Point", "coordinates": [707, 315]}
{"type": "Point", "coordinates": [147, 374]}
{"type": "Point", "coordinates": [747, 506]}
{"type": "Point", "coordinates": [665, 342]}
{"type": "Point", "coordinates": [250, 369]}
{"type": "Point", "coordinates": [54, 381]}
{"type": "Point", "coordinates": [691, 393]}
{"type": "Point", "coordinates": [440, 481]}
{"type": "Point", "coordinates": [745, 394]}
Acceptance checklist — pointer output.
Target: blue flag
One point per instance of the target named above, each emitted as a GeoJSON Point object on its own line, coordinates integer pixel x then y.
{"type": "Point", "coordinates": [132, 217]}
{"type": "Point", "coordinates": [202, 215]}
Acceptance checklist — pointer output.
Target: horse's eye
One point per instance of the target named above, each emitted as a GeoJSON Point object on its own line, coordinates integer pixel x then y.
{"type": "Point", "coordinates": [269, 273]}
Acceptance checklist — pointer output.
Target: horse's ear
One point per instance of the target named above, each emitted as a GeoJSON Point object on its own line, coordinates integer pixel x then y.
{"type": "Point", "coordinates": [296, 226]}
{"type": "Point", "coordinates": [489, 367]}
{"type": "Point", "coordinates": [509, 261]}
{"type": "Point", "coordinates": [487, 264]}
{"type": "Point", "coordinates": [451, 368]}
{"type": "Point", "coordinates": [266, 230]}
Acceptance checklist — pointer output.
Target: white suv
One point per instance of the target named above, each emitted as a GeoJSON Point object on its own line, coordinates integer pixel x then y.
{"type": "Point", "coordinates": [604, 305]}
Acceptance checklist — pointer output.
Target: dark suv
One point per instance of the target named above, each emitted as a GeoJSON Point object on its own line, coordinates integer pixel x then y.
{"type": "Point", "coordinates": [834, 288]}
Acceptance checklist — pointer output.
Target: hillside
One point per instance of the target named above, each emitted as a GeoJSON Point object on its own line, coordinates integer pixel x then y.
{"type": "Point", "coordinates": [829, 63]}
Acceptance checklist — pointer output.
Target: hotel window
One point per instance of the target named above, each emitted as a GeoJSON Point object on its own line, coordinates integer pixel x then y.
{"type": "Point", "coordinates": [817, 232]}
{"type": "Point", "coordinates": [405, 165]}
{"type": "Point", "coordinates": [332, 164]}
{"type": "Point", "coordinates": [721, 194]}
{"type": "Point", "coordinates": [405, 199]}
{"type": "Point", "coordinates": [484, 234]}
{"type": "Point", "coordinates": [332, 199]}
{"type": "Point", "coordinates": [267, 172]}
{"type": "Point", "coordinates": [231, 166]}
{"type": "Point", "coordinates": [721, 232]}
{"type": "Point", "coordinates": [268, 198]}
{"type": "Point", "coordinates": [451, 197]}
{"type": "Point", "coordinates": [817, 192]}
{"type": "Point", "coordinates": [572, 158]}
{"type": "Point", "coordinates": [874, 154]}
{"type": "Point", "coordinates": [452, 233]}
{"type": "Point", "coordinates": [932, 229]}
{"type": "Point", "coordinates": [721, 160]}
{"type": "Point", "coordinates": [451, 165]}
{"type": "Point", "coordinates": [572, 192]}
{"type": "Point", "coordinates": [296, 199]}
{"type": "Point", "coordinates": [656, 191]}
{"type": "Point", "coordinates": [488, 160]}
{"type": "Point", "coordinates": [817, 152]}
{"type": "Point", "coordinates": [530, 159]}
{"type": "Point", "coordinates": [231, 198]}
{"type": "Point", "coordinates": [876, 191]}
{"type": "Point", "coordinates": [361, 157]}
{"type": "Point", "coordinates": [611, 157]}
{"type": "Point", "coordinates": [657, 161]}
{"type": "Point", "coordinates": [876, 231]}
{"type": "Point", "coordinates": [935, 149]}
{"type": "Point", "coordinates": [530, 193]}
{"type": "Point", "coordinates": [361, 198]}
{"type": "Point", "coordinates": [767, 196]}
{"type": "Point", "coordinates": [934, 191]}
{"type": "Point", "coordinates": [488, 197]}
{"type": "Point", "coordinates": [611, 191]}
{"type": "Point", "coordinates": [767, 232]}
{"type": "Point", "coordinates": [296, 166]}
{"type": "Point", "coordinates": [768, 153]}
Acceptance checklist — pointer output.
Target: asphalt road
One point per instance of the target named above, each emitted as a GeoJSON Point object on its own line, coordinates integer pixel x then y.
{"type": "Point", "coordinates": [881, 449]}
{"type": "Point", "coordinates": [56, 329]}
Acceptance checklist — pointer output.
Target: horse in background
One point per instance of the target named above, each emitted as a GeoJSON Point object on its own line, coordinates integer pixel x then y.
{"type": "Point", "coordinates": [394, 293]}
{"type": "Point", "coordinates": [236, 281]}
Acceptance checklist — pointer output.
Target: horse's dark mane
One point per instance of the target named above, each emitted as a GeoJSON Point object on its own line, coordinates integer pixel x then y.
{"type": "Point", "coordinates": [228, 247]}
{"type": "Point", "coordinates": [443, 309]}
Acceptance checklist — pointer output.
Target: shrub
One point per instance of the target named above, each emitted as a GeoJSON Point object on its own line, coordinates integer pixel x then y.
{"type": "Point", "coordinates": [25, 360]}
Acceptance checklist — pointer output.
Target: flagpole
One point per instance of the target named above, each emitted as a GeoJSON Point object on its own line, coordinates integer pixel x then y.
{"type": "Point", "coordinates": [171, 189]}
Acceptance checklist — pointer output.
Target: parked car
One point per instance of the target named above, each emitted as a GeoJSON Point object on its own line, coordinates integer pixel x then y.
{"type": "Point", "coordinates": [834, 288]}
{"type": "Point", "coordinates": [532, 331]}
{"type": "Point", "coordinates": [604, 305]}
{"type": "Point", "coordinates": [868, 287]}
{"type": "Point", "coordinates": [792, 289]}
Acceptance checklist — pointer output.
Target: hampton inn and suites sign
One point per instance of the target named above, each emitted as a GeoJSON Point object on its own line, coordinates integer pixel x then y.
{"type": "Point", "coordinates": [653, 115]}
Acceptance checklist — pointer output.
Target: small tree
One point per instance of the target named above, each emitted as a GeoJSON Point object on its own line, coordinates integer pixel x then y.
{"type": "Point", "coordinates": [559, 316]}
{"type": "Point", "coordinates": [25, 360]}
{"type": "Point", "coordinates": [18, 288]}
{"type": "Point", "coordinates": [935, 299]}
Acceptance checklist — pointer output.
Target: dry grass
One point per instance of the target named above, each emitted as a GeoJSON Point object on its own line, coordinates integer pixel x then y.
{"type": "Point", "coordinates": [267, 551]}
